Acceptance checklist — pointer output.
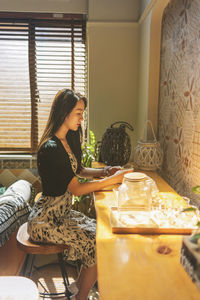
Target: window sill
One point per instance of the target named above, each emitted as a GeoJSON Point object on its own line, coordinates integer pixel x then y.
{"type": "Point", "coordinates": [17, 156]}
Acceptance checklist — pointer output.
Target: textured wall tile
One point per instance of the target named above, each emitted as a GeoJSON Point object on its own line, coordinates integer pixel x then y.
{"type": "Point", "coordinates": [34, 172]}
{"type": "Point", "coordinates": [16, 164]}
{"type": "Point", "coordinates": [37, 185]}
{"type": "Point", "coordinates": [16, 172]}
{"type": "Point", "coordinates": [27, 175]}
{"type": "Point", "coordinates": [33, 164]}
{"type": "Point", "coordinates": [179, 102]}
{"type": "Point", "coordinates": [7, 178]}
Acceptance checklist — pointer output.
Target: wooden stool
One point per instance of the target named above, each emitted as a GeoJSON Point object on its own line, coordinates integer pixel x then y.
{"type": "Point", "coordinates": [31, 248]}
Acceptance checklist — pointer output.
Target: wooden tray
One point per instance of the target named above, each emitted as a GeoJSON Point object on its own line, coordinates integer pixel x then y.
{"type": "Point", "coordinates": [117, 227]}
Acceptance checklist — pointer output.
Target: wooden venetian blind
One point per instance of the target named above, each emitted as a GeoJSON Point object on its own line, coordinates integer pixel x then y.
{"type": "Point", "coordinates": [37, 58]}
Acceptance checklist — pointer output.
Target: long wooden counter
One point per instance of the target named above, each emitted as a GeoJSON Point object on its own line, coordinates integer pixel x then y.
{"type": "Point", "coordinates": [139, 267]}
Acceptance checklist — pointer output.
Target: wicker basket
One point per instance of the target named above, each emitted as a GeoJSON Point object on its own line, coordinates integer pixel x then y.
{"type": "Point", "coordinates": [148, 155]}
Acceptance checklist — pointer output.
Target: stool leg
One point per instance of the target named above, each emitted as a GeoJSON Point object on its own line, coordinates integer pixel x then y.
{"type": "Point", "coordinates": [65, 279]}
{"type": "Point", "coordinates": [64, 274]}
{"type": "Point", "coordinates": [23, 270]}
{"type": "Point", "coordinates": [27, 271]}
{"type": "Point", "coordinates": [29, 262]}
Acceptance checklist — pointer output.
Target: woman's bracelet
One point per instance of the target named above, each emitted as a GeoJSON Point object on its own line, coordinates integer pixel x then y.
{"type": "Point", "coordinates": [106, 171]}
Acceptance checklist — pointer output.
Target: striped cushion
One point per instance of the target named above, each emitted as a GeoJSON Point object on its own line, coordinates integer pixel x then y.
{"type": "Point", "coordinates": [14, 208]}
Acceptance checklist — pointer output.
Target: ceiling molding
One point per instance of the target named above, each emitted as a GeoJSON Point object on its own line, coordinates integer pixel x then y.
{"type": "Point", "coordinates": [111, 24]}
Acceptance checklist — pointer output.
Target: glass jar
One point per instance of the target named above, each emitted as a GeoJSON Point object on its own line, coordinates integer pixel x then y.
{"type": "Point", "coordinates": [135, 192]}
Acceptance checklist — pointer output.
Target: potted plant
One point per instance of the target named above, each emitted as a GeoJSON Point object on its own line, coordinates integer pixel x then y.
{"type": "Point", "coordinates": [85, 203]}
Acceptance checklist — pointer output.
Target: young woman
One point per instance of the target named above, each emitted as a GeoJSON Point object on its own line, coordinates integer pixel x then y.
{"type": "Point", "coordinates": [59, 161]}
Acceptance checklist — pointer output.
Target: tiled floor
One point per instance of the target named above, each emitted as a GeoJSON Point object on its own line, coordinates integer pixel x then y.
{"type": "Point", "coordinates": [48, 278]}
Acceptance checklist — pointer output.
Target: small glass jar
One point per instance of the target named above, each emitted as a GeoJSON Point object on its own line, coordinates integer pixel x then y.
{"type": "Point", "coordinates": [135, 192]}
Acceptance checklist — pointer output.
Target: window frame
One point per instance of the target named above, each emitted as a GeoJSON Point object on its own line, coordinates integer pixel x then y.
{"type": "Point", "coordinates": [57, 18]}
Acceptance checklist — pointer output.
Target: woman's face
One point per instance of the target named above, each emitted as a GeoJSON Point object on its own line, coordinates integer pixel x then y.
{"type": "Point", "coordinates": [73, 120]}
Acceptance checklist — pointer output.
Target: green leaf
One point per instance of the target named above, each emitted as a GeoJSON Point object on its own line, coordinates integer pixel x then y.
{"type": "Point", "coordinates": [189, 209]}
{"type": "Point", "coordinates": [196, 189]}
{"type": "Point", "coordinates": [90, 148]}
{"type": "Point", "coordinates": [88, 151]}
{"type": "Point", "coordinates": [198, 224]}
{"type": "Point", "coordinates": [194, 238]}
{"type": "Point", "coordinates": [92, 138]}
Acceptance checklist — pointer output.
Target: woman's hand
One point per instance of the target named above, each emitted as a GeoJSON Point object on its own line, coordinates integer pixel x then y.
{"type": "Point", "coordinates": [112, 170]}
{"type": "Point", "coordinates": [79, 188]}
{"type": "Point", "coordinates": [119, 175]}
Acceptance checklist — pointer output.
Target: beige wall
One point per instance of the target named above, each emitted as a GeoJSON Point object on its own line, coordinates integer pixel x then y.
{"type": "Point", "coordinates": [113, 63]}
{"type": "Point", "coordinates": [144, 45]}
{"type": "Point", "coordinates": [61, 6]}
{"type": "Point", "coordinates": [113, 74]}
{"type": "Point", "coordinates": [98, 10]}
{"type": "Point", "coordinates": [149, 63]}
{"type": "Point", "coordinates": [114, 10]}
{"type": "Point", "coordinates": [154, 61]}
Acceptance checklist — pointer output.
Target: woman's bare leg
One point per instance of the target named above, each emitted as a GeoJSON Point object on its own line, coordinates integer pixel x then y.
{"type": "Point", "coordinates": [86, 281]}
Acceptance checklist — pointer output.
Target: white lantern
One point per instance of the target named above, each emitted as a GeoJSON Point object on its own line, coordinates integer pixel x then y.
{"type": "Point", "coordinates": [148, 155]}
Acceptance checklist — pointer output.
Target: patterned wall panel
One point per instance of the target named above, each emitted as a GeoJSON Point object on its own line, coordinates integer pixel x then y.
{"type": "Point", "coordinates": [12, 170]}
{"type": "Point", "coordinates": [179, 100]}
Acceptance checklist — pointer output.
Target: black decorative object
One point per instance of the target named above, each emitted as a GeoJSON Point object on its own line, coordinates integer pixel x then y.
{"type": "Point", "coordinates": [116, 145]}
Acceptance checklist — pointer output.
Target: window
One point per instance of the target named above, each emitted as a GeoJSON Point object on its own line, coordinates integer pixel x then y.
{"type": "Point", "coordinates": [38, 57]}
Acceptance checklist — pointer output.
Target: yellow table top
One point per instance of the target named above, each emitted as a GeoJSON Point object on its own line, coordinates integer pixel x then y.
{"type": "Point", "coordinates": [139, 267]}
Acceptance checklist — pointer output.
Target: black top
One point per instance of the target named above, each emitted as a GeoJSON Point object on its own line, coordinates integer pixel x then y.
{"type": "Point", "coordinates": [54, 167]}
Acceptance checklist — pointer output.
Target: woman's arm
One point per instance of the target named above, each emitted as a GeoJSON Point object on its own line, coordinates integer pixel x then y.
{"type": "Point", "coordinates": [78, 189]}
{"type": "Point", "coordinates": [101, 172]}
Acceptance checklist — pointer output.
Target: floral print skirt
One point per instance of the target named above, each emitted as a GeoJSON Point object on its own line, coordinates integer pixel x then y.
{"type": "Point", "coordinates": [53, 221]}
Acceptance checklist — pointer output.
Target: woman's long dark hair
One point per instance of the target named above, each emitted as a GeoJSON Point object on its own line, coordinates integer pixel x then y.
{"type": "Point", "coordinates": [64, 101]}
